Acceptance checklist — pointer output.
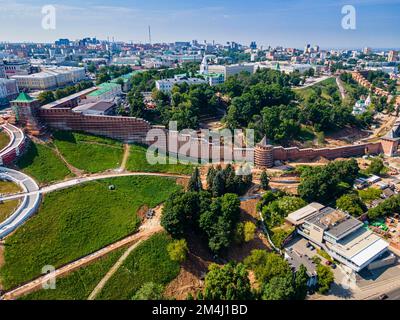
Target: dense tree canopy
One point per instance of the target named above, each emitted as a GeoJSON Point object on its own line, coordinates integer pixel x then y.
{"type": "Point", "coordinates": [215, 218]}
{"type": "Point", "coordinates": [229, 282]}
{"type": "Point", "coordinates": [325, 183]}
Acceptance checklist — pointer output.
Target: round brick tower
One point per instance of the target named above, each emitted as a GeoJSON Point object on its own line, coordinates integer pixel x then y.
{"type": "Point", "coordinates": [263, 154]}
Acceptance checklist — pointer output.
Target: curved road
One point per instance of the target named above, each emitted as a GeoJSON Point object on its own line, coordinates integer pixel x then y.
{"type": "Point", "coordinates": [29, 203]}
{"type": "Point", "coordinates": [17, 141]}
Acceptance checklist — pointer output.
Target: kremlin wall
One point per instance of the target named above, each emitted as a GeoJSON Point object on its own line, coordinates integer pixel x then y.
{"type": "Point", "coordinates": [60, 115]}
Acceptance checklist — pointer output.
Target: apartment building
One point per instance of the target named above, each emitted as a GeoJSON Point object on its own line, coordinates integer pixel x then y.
{"type": "Point", "coordinates": [343, 237]}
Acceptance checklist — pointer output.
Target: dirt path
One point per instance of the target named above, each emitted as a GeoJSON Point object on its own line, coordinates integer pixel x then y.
{"type": "Point", "coordinates": [341, 88]}
{"type": "Point", "coordinates": [146, 230]}
{"type": "Point", "coordinates": [114, 269]}
{"type": "Point", "coordinates": [125, 157]}
{"type": "Point", "coordinates": [71, 168]}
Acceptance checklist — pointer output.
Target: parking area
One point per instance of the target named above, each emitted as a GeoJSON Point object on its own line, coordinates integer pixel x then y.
{"type": "Point", "coordinates": [306, 254]}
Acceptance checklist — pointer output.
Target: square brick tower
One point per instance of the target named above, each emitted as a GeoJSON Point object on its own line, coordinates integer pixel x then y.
{"type": "Point", "coordinates": [26, 110]}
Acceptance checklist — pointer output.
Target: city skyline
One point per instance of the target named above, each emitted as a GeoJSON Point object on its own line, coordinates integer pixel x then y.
{"type": "Point", "coordinates": [287, 23]}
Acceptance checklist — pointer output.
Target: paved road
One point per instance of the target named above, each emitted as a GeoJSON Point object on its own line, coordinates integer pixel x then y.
{"type": "Point", "coordinates": [29, 203]}
{"type": "Point", "coordinates": [17, 138]}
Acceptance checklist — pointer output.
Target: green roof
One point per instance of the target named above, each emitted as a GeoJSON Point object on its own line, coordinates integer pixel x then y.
{"type": "Point", "coordinates": [23, 97]}
{"type": "Point", "coordinates": [103, 88]}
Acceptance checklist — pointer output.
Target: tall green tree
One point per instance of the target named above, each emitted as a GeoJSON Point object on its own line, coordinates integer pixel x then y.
{"type": "Point", "coordinates": [229, 282]}
{"type": "Point", "coordinates": [264, 180]}
{"type": "Point", "coordinates": [195, 181]}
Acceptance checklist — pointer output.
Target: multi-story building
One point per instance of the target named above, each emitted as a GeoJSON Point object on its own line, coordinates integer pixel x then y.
{"type": "Point", "coordinates": [16, 67]}
{"type": "Point", "coordinates": [2, 69]}
{"type": "Point", "coordinates": [392, 56]}
{"type": "Point", "coordinates": [8, 90]}
{"type": "Point", "coordinates": [232, 69]}
{"type": "Point", "coordinates": [343, 237]}
{"type": "Point", "coordinates": [50, 78]}
{"type": "Point", "coordinates": [166, 85]}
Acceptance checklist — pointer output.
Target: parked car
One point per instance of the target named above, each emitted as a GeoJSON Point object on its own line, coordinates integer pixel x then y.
{"type": "Point", "coordinates": [333, 266]}
{"type": "Point", "coordinates": [328, 263]}
{"type": "Point", "coordinates": [383, 296]}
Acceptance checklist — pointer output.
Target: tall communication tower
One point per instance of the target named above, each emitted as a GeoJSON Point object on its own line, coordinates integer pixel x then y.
{"type": "Point", "coordinates": [149, 35]}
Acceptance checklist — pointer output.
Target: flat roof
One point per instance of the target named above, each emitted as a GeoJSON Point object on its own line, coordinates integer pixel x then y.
{"type": "Point", "coordinates": [298, 216]}
{"type": "Point", "coordinates": [343, 227]}
{"type": "Point", "coordinates": [354, 245]}
{"type": "Point", "coordinates": [73, 96]}
{"type": "Point", "coordinates": [103, 88]}
{"type": "Point", "coordinates": [100, 106]}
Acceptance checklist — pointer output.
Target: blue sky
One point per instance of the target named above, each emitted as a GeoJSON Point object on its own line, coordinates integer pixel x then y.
{"type": "Point", "coordinates": [290, 23]}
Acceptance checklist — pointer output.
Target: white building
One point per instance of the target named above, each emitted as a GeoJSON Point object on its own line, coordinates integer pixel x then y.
{"type": "Point", "coordinates": [284, 66]}
{"type": "Point", "coordinates": [50, 78]}
{"type": "Point", "coordinates": [8, 90]}
{"type": "Point", "coordinates": [343, 237]}
{"type": "Point", "coordinates": [16, 67]}
{"type": "Point", "coordinates": [231, 69]}
{"type": "Point", "coordinates": [2, 69]}
{"type": "Point", "coordinates": [361, 106]}
{"type": "Point", "coordinates": [166, 85]}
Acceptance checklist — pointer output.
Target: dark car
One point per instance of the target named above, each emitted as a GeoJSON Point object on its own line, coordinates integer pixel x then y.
{"type": "Point", "coordinates": [333, 266]}
{"type": "Point", "coordinates": [383, 296]}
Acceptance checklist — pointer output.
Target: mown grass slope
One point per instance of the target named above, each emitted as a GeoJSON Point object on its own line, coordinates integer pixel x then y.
{"type": "Point", "coordinates": [150, 262]}
{"type": "Point", "coordinates": [137, 162]}
{"type": "Point", "coordinates": [79, 284]}
{"type": "Point", "coordinates": [74, 222]}
{"type": "Point", "coordinates": [87, 152]}
{"type": "Point", "coordinates": [43, 164]}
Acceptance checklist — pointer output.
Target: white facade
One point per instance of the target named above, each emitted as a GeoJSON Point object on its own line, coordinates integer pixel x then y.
{"type": "Point", "coordinates": [16, 67]}
{"type": "Point", "coordinates": [343, 237]}
{"type": "Point", "coordinates": [50, 77]}
{"type": "Point", "coordinates": [166, 85]}
{"type": "Point", "coordinates": [8, 88]}
{"type": "Point", "coordinates": [232, 69]}
{"type": "Point", "coordinates": [2, 69]}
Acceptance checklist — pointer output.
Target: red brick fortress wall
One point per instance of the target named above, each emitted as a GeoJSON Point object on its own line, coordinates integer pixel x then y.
{"type": "Point", "coordinates": [292, 154]}
{"type": "Point", "coordinates": [127, 129]}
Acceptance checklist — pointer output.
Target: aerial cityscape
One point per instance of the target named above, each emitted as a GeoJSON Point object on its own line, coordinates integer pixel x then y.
{"type": "Point", "coordinates": [259, 164]}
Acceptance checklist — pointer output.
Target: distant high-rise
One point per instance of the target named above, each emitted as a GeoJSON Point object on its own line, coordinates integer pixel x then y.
{"type": "Point", "coordinates": [393, 56]}
{"type": "Point", "coordinates": [62, 42]}
{"type": "Point", "coordinates": [253, 45]}
{"type": "Point", "coordinates": [367, 50]}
